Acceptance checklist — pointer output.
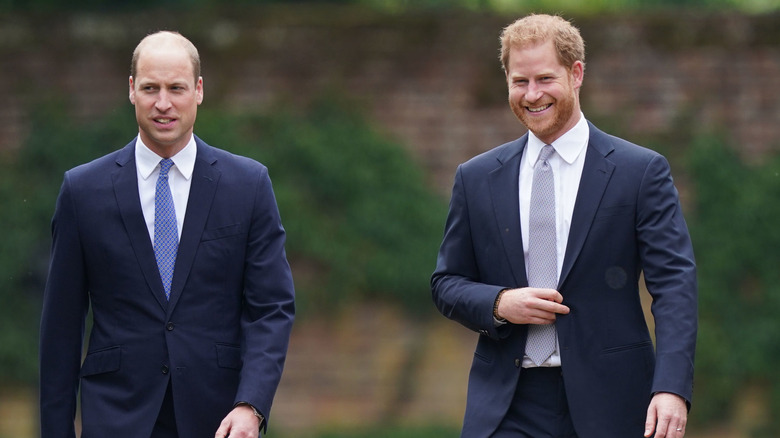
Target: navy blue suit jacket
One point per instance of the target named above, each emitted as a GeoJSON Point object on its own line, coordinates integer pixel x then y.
{"type": "Point", "coordinates": [627, 220]}
{"type": "Point", "coordinates": [222, 337]}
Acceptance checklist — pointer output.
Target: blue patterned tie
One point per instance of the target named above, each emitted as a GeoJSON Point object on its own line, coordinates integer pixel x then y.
{"type": "Point", "coordinates": [166, 234]}
{"type": "Point", "coordinates": [542, 252]}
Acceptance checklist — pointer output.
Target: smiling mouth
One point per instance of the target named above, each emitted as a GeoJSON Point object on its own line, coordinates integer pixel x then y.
{"type": "Point", "coordinates": [163, 121]}
{"type": "Point", "coordinates": [538, 109]}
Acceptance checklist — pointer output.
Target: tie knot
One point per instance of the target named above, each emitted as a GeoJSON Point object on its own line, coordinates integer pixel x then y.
{"type": "Point", "coordinates": [547, 150]}
{"type": "Point", "coordinates": [165, 166]}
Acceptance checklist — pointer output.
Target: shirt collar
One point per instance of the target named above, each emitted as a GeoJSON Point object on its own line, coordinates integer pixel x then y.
{"type": "Point", "coordinates": [147, 161]}
{"type": "Point", "coordinates": [569, 146]}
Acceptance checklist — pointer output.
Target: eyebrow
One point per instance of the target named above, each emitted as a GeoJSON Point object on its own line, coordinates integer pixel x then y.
{"type": "Point", "coordinates": [175, 83]}
{"type": "Point", "coordinates": [537, 75]}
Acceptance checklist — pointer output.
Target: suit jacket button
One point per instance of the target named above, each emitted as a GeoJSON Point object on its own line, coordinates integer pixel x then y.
{"type": "Point", "coordinates": [164, 369]}
{"type": "Point", "coordinates": [169, 326]}
{"type": "Point", "coordinates": [518, 362]}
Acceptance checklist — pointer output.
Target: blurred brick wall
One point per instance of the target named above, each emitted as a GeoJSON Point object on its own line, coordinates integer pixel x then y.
{"type": "Point", "coordinates": [432, 81]}
{"type": "Point", "coordinates": [348, 372]}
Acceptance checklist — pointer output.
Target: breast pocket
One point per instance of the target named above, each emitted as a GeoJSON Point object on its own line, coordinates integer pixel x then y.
{"type": "Point", "coordinates": [222, 232]}
{"type": "Point", "coordinates": [613, 211]}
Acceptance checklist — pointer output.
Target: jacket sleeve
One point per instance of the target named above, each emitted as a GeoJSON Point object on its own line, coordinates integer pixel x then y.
{"type": "Point", "coordinates": [455, 284]}
{"type": "Point", "coordinates": [269, 302]}
{"type": "Point", "coordinates": [670, 275]}
{"type": "Point", "coordinates": [65, 305]}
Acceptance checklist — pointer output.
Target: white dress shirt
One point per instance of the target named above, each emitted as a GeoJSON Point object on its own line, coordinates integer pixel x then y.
{"type": "Point", "coordinates": [147, 164]}
{"type": "Point", "coordinates": [567, 164]}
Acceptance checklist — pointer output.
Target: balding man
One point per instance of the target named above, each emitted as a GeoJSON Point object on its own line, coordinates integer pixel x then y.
{"type": "Point", "coordinates": [178, 249]}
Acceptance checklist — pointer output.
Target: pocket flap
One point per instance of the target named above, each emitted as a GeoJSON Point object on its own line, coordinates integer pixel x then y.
{"type": "Point", "coordinates": [222, 232]}
{"type": "Point", "coordinates": [102, 361]}
{"type": "Point", "coordinates": [229, 356]}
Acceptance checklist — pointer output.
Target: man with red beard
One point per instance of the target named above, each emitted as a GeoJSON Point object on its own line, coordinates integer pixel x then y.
{"type": "Point", "coordinates": [544, 245]}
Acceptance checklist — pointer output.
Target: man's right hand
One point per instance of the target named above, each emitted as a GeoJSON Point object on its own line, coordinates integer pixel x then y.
{"type": "Point", "coordinates": [530, 305]}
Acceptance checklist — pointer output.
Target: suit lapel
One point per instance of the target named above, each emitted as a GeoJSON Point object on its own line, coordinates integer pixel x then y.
{"type": "Point", "coordinates": [596, 173]}
{"type": "Point", "coordinates": [125, 181]}
{"type": "Point", "coordinates": [205, 177]}
{"type": "Point", "coordinates": [504, 187]}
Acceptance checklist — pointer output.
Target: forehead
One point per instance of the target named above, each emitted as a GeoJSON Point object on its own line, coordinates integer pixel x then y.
{"type": "Point", "coordinates": [533, 58]}
{"type": "Point", "coordinates": [164, 63]}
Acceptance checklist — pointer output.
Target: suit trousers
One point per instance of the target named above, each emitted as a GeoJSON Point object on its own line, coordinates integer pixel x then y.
{"type": "Point", "coordinates": [539, 408]}
{"type": "Point", "coordinates": [165, 426]}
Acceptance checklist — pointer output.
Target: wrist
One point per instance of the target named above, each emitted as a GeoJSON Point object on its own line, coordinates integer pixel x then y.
{"type": "Point", "coordinates": [260, 418]}
{"type": "Point", "coordinates": [496, 304]}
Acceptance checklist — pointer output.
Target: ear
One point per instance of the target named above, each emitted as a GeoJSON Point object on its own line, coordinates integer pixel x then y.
{"type": "Point", "coordinates": [577, 73]}
{"type": "Point", "coordinates": [199, 90]}
{"type": "Point", "coordinates": [132, 91]}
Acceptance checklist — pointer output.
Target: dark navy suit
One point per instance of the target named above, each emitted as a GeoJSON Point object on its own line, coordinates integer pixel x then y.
{"type": "Point", "coordinates": [222, 337]}
{"type": "Point", "coordinates": [627, 220]}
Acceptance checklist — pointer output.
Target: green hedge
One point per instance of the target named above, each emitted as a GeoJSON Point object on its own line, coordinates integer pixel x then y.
{"type": "Point", "coordinates": [734, 226]}
{"type": "Point", "coordinates": [29, 183]}
{"type": "Point", "coordinates": [361, 222]}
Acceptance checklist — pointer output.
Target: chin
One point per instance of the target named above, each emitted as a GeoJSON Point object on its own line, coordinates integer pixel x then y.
{"type": "Point", "coordinates": [540, 130]}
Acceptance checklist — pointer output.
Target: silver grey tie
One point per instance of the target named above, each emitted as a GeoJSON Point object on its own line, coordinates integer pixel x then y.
{"type": "Point", "coordinates": [542, 252]}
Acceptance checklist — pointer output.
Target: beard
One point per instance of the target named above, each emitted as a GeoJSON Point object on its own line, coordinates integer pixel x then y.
{"type": "Point", "coordinates": [549, 127]}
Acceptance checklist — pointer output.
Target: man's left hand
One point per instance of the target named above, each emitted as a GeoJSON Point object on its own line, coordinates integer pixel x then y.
{"type": "Point", "coordinates": [667, 416]}
{"type": "Point", "coordinates": [241, 422]}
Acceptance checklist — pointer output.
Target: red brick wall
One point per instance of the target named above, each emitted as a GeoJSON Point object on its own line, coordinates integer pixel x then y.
{"type": "Point", "coordinates": [432, 81]}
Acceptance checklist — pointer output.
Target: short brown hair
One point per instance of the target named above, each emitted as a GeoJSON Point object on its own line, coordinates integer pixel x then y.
{"type": "Point", "coordinates": [166, 36]}
{"type": "Point", "coordinates": [537, 28]}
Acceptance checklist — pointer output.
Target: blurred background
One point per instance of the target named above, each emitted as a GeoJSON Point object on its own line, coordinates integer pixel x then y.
{"type": "Point", "coordinates": [362, 110]}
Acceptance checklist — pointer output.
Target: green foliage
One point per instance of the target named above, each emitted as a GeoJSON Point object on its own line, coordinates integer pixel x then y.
{"type": "Point", "coordinates": [736, 238]}
{"type": "Point", "coordinates": [29, 183]}
{"type": "Point", "coordinates": [360, 222]}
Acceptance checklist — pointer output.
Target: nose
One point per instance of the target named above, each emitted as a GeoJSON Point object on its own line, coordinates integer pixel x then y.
{"type": "Point", "coordinates": [163, 103]}
{"type": "Point", "coordinates": [532, 92]}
